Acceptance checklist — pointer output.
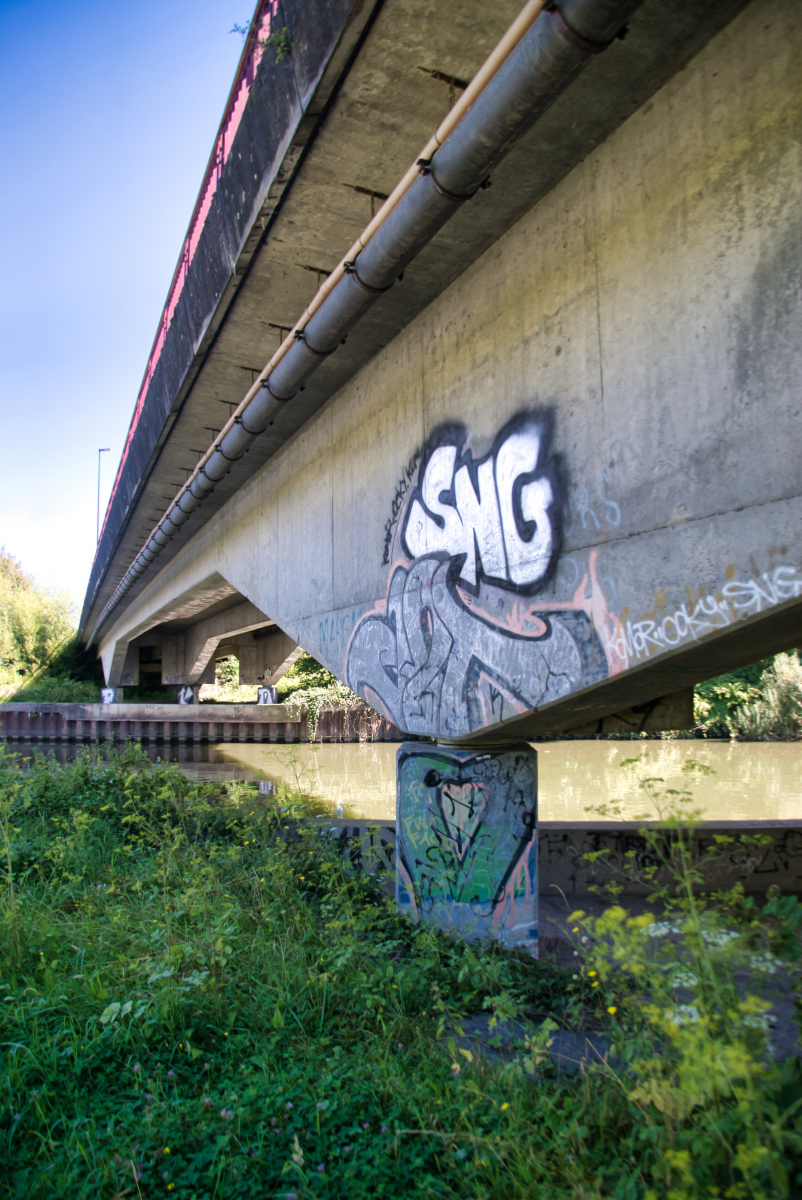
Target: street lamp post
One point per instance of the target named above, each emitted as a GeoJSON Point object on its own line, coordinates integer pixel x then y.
{"type": "Point", "coordinates": [103, 450]}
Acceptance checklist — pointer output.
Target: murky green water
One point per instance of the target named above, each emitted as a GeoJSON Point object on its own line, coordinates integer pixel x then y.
{"type": "Point", "coordinates": [750, 780]}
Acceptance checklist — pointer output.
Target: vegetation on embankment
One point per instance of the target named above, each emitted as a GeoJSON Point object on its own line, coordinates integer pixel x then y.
{"type": "Point", "coordinates": [40, 658]}
{"type": "Point", "coordinates": [314, 689]}
{"type": "Point", "coordinates": [199, 999]}
{"type": "Point", "coordinates": [307, 685]}
{"type": "Point", "coordinates": [761, 702]}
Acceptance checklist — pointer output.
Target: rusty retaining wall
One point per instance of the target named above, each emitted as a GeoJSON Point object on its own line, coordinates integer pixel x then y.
{"type": "Point", "coordinates": [563, 846]}
{"type": "Point", "coordinates": [186, 723]}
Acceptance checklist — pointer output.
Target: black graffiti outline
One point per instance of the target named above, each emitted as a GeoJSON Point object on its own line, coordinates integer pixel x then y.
{"type": "Point", "coordinates": [397, 506]}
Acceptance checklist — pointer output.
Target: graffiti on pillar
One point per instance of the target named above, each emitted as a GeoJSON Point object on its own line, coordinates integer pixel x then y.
{"type": "Point", "coordinates": [466, 840]}
{"type": "Point", "coordinates": [461, 641]}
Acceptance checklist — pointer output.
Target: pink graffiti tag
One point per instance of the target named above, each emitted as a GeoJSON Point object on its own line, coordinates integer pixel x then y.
{"type": "Point", "coordinates": [463, 806]}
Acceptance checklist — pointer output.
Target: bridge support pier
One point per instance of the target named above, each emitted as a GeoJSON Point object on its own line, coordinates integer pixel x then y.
{"type": "Point", "coordinates": [466, 839]}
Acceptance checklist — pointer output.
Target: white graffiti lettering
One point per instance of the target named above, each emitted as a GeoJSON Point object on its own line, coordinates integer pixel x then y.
{"type": "Point", "coordinates": [493, 513]}
{"type": "Point", "coordinates": [738, 598]}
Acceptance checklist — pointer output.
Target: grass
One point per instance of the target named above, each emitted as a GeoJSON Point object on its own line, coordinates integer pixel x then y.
{"type": "Point", "coordinates": [198, 998]}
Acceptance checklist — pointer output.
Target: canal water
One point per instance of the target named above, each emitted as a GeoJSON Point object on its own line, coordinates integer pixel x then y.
{"type": "Point", "coordinates": [734, 781]}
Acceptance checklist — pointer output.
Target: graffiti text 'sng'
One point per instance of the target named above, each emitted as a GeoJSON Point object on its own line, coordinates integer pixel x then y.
{"type": "Point", "coordinates": [493, 513]}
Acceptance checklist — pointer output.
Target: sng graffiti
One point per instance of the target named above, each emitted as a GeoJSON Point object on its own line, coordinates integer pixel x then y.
{"type": "Point", "coordinates": [492, 514]}
{"type": "Point", "coordinates": [459, 643]}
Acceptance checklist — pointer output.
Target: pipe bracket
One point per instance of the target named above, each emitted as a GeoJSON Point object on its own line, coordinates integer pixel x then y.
{"type": "Point", "coordinates": [273, 396]}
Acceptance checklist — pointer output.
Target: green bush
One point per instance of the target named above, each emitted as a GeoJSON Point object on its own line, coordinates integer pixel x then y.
{"type": "Point", "coordinates": [41, 659]}
{"type": "Point", "coordinates": [57, 689]}
{"type": "Point", "coordinates": [761, 701]}
{"type": "Point", "coordinates": [312, 689]}
{"type": "Point", "coordinates": [776, 712]}
{"type": "Point", "coordinates": [35, 624]}
{"type": "Point", "coordinates": [716, 701]}
{"type": "Point", "coordinates": [227, 688]}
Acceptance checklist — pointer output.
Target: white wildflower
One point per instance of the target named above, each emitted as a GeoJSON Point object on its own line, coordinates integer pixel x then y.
{"type": "Point", "coordinates": [766, 964]}
{"type": "Point", "coordinates": [719, 937]}
{"type": "Point", "coordinates": [661, 929]}
{"type": "Point", "coordinates": [684, 979]}
{"type": "Point", "coordinates": [762, 1021]}
{"type": "Point", "coordinates": [683, 1014]}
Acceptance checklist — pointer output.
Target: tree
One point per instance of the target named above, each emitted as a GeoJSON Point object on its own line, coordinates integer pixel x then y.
{"type": "Point", "coordinates": [35, 622]}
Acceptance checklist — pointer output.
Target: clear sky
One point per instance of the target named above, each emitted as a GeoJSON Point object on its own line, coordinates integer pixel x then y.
{"type": "Point", "coordinates": [109, 112]}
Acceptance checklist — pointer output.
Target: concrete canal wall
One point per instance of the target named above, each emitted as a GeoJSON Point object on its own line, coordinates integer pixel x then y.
{"type": "Point", "coordinates": [186, 723]}
{"type": "Point", "coordinates": [772, 857]}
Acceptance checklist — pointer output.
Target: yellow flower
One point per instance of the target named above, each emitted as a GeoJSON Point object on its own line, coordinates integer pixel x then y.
{"type": "Point", "coordinates": [225, 1035]}
{"type": "Point", "coordinates": [301, 877]}
{"type": "Point", "coordinates": [166, 1149]}
{"type": "Point", "coordinates": [504, 1106]}
{"type": "Point", "coordinates": [591, 974]}
{"type": "Point", "coordinates": [595, 983]}
{"type": "Point", "coordinates": [575, 929]}
{"type": "Point", "coordinates": [612, 1010]}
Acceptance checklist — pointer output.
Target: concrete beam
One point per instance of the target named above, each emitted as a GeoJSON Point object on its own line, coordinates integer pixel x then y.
{"type": "Point", "coordinates": [122, 669]}
{"type": "Point", "coordinates": [203, 639]}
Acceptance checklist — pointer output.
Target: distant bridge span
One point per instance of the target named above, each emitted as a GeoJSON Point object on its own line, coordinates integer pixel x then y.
{"type": "Point", "coordinates": [553, 474]}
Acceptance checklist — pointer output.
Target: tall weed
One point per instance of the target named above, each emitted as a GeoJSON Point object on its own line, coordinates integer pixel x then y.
{"type": "Point", "coordinates": [204, 997]}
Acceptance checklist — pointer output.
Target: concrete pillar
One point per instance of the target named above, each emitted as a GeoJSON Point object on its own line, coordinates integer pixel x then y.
{"type": "Point", "coordinates": [466, 839]}
{"type": "Point", "coordinates": [246, 655]}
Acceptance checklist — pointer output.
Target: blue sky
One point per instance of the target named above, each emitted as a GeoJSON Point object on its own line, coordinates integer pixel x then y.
{"type": "Point", "coordinates": [109, 112]}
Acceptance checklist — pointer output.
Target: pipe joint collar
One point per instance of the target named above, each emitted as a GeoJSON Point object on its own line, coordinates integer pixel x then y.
{"type": "Point", "coordinates": [300, 335]}
{"type": "Point", "coordinates": [278, 399]}
{"type": "Point", "coordinates": [571, 36]}
{"type": "Point", "coordinates": [351, 269]}
{"type": "Point", "coordinates": [427, 168]}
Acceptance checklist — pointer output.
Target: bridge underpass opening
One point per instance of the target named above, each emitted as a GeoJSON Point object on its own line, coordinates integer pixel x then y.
{"type": "Point", "coordinates": [553, 474]}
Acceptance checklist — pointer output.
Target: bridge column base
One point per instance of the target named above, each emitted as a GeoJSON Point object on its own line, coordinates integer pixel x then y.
{"type": "Point", "coordinates": [466, 839]}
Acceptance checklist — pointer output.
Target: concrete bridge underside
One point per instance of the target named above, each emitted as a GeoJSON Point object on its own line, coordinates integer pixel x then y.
{"type": "Point", "coordinates": [555, 473]}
